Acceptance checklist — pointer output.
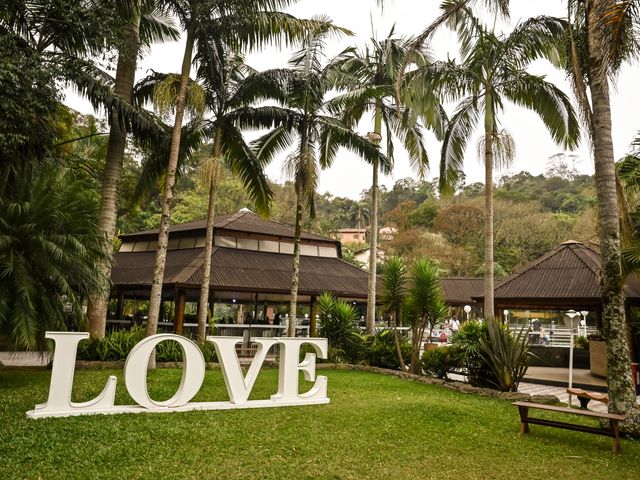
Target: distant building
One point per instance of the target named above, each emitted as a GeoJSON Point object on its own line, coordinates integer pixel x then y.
{"type": "Point", "coordinates": [363, 256]}
{"type": "Point", "coordinates": [351, 235]}
{"type": "Point", "coordinates": [387, 233]}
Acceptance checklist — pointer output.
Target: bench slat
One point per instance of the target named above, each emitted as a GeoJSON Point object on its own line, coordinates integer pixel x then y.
{"type": "Point", "coordinates": [574, 411]}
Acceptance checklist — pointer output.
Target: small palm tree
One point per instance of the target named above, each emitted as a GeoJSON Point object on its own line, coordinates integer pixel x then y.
{"type": "Point", "coordinates": [50, 246]}
{"type": "Point", "coordinates": [425, 306]}
{"type": "Point", "coordinates": [319, 135]}
{"type": "Point", "coordinates": [493, 70]}
{"type": "Point", "coordinates": [394, 292]}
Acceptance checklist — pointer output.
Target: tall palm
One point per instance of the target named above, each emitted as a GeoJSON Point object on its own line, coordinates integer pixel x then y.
{"type": "Point", "coordinates": [319, 136]}
{"type": "Point", "coordinates": [249, 23]}
{"type": "Point", "coordinates": [142, 23]}
{"type": "Point", "coordinates": [369, 77]}
{"type": "Point", "coordinates": [603, 34]}
{"type": "Point", "coordinates": [493, 70]}
{"type": "Point", "coordinates": [231, 87]}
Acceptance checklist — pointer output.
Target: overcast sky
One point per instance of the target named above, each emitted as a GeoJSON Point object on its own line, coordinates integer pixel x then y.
{"type": "Point", "coordinates": [350, 175]}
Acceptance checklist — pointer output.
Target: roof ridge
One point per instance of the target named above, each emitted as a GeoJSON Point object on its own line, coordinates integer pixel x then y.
{"type": "Point", "coordinates": [596, 274]}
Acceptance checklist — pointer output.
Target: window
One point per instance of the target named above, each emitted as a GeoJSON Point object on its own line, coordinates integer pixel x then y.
{"type": "Point", "coordinates": [269, 246]}
{"type": "Point", "coordinates": [309, 250]}
{"type": "Point", "coordinates": [247, 243]}
{"type": "Point", "coordinates": [229, 242]}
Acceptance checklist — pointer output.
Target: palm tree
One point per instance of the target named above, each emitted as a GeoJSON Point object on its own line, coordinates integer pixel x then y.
{"type": "Point", "coordinates": [425, 306]}
{"type": "Point", "coordinates": [493, 70]}
{"type": "Point", "coordinates": [141, 25]}
{"type": "Point", "coordinates": [231, 87]}
{"type": "Point", "coordinates": [601, 35]}
{"type": "Point", "coordinates": [319, 135]}
{"type": "Point", "coordinates": [50, 246]}
{"type": "Point", "coordinates": [394, 291]}
{"type": "Point", "coordinates": [369, 76]}
{"type": "Point", "coordinates": [249, 23]}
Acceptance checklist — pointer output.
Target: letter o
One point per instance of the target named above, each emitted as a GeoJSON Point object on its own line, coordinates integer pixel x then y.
{"type": "Point", "coordinates": [135, 371]}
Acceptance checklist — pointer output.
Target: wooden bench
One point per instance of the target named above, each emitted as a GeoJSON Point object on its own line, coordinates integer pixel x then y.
{"type": "Point", "coordinates": [612, 431]}
{"type": "Point", "coordinates": [584, 396]}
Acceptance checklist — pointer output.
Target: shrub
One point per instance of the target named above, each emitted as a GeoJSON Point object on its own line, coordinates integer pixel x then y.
{"type": "Point", "coordinates": [338, 323]}
{"type": "Point", "coordinates": [381, 350]}
{"type": "Point", "coordinates": [117, 345]}
{"type": "Point", "coordinates": [440, 361]}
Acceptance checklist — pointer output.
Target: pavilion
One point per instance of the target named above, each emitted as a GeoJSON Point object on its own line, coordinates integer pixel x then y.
{"type": "Point", "coordinates": [567, 277]}
{"type": "Point", "coordinates": [251, 271]}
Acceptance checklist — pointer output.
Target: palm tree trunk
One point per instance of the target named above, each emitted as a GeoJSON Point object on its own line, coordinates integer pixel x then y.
{"type": "Point", "coordinates": [163, 235]}
{"type": "Point", "coordinates": [208, 248]}
{"type": "Point", "coordinates": [488, 207]}
{"type": "Point", "coordinates": [403, 366]}
{"type": "Point", "coordinates": [295, 278]}
{"type": "Point", "coordinates": [373, 253]}
{"type": "Point", "coordinates": [125, 78]}
{"type": "Point", "coordinates": [619, 378]}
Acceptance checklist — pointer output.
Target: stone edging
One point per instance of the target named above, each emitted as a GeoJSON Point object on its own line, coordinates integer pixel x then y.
{"type": "Point", "coordinates": [453, 385]}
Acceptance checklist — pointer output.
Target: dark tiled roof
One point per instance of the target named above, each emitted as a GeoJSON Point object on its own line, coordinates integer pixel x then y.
{"type": "Point", "coordinates": [243, 221]}
{"type": "Point", "coordinates": [569, 271]}
{"type": "Point", "coordinates": [247, 270]}
{"type": "Point", "coordinates": [458, 291]}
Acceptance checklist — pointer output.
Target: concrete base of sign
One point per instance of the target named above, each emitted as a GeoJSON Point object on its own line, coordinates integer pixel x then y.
{"type": "Point", "coordinates": [117, 409]}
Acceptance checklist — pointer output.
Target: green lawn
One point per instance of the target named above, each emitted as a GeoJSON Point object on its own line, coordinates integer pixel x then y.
{"type": "Point", "coordinates": [375, 427]}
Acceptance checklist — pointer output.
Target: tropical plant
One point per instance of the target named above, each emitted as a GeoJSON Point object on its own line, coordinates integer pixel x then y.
{"type": "Point", "coordinates": [250, 23]}
{"type": "Point", "coordinates": [424, 306]}
{"type": "Point", "coordinates": [319, 134]}
{"type": "Point", "coordinates": [491, 71]}
{"type": "Point", "coordinates": [369, 76]}
{"type": "Point", "coordinates": [468, 344]}
{"type": "Point", "coordinates": [338, 324]}
{"type": "Point", "coordinates": [506, 353]}
{"type": "Point", "coordinates": [49, 251]}
{"type": "Point", "coordinates": [601, 36]}
{"type": "Point", "coordinates": [394, 291]}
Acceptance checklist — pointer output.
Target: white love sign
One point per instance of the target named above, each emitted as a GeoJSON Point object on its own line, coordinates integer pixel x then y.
{"type": "Point", "coordinates": [238, 384]}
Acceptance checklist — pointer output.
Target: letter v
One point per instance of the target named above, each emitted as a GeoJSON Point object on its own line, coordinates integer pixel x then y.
{"type": "Point", "coordinates": [238, 386]}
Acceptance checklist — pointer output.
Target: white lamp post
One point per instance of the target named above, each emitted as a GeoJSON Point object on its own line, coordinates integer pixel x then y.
{"type": "Point", "coordinates": [506, 316]}
{"type": "Point", "coordinates": [571, 314]}
{"type": "Point", "coordinates": [467, 310]}
{"type": "Point", "coordinates": [584, 314]}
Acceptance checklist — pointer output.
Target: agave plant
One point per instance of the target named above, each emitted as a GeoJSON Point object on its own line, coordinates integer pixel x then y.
{"type": "Point", "coordinates": [506, 353]}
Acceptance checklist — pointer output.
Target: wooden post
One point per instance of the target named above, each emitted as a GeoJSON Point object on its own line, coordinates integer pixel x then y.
{"type": "Point", "coordinates": [313, 324]}
{"type": "Point", "coordinates": [119, 305]}
{"type": "Point", "coordinates": [178, 321]}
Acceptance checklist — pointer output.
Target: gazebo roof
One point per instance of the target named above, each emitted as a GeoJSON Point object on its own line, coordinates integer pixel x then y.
{"type": "Point", "coordinates": [459, 291]}
{"type": "Point", "coordinates": [242, 221]}
{"type": "Point", "coordinates": [242, 270]}
{"type": "Point", "coordinates": [567, 275]}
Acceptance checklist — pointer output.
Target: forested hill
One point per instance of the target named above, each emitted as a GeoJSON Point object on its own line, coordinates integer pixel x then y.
{"type": "Point", "coordinates": [532, 215]}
